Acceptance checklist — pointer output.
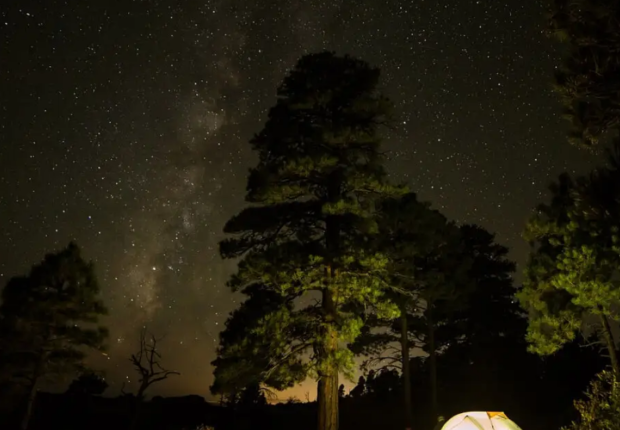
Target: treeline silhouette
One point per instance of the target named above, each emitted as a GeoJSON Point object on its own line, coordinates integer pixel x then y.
{"type": "Point", "coordinates": [537, 394]}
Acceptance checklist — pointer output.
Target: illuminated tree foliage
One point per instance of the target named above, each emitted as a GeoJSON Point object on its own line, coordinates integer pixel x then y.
{"type": "Point", "coordinates": [589, 79]}
{"type": "Point", "coordinates": [572, 271]}
{"type": "Point", "coordinates": [305, 237]}
{"type": "Point", "coordinates": [601, 408]}
{"type": "Point", "coordinates": [246, 358]}
{"type": "Point", "coordinates": [48, 318]}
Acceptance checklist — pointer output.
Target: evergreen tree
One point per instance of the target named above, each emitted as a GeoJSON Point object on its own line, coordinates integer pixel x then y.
{"type": "Point", "coordinates": [89, 383]}
{"type": "Point", "coordinates": [572, 272]}
{"type": "Point", "coordinates": [341, 392]}
{"type": "Point", "coordinates": [427, 252]}
{"type": "Point", "coordinates": [360, 388]}
{"type": "Point", "coordinates": [49, 317]}
{"type": "Point", "coordinates": [589, 79]}
{"type": "Point", "coordinates": [445, 283]}
{"type": "Point", "coordinates": [252, 396]}
{"type": "Point", "coordinates": [381, 385]}
{"type": "Point", "coordinates": [305, 235]}
{"type": "Point", "coordinates": [428, 268]}
{"type": "Point", "coordinates": [485, 336]}
{"type": "Point", "coordinates": [491, 311]}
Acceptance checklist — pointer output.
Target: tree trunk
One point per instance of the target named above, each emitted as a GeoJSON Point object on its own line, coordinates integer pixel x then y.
{"type": "Point", "coordinates": [611, 345]}
{"type": "Point", "coordinates": [432, 357]}
{"type": "Point", "coordinates": [328, 401]}
{"type": "Point", "coordinates": [404, 346]}
{"type": "Point", "coordinates": [327, 394]}
{"type": "Point", "coordinates": [32, 393]}
{"type": "Point", "coordinates": [32, 396]}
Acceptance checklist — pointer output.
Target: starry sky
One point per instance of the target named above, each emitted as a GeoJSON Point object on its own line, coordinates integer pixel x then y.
{"type": "Point", "coordinates": [124, 126]}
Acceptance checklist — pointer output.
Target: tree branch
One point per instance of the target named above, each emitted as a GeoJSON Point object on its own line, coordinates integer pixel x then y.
{"type": "Point", "coordinates": [146, 362]}
{"type": "Point", "coordinates": [278, 363]}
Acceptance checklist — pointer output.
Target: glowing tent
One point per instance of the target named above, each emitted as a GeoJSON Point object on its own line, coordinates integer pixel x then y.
{"type": "Point", "coordinates": [480, 421]}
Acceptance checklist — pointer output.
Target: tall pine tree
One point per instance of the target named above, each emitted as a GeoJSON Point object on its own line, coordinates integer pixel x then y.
{"type": "Point", "coordinates": [48, 318]}
{"type": "Point", "coordinates": [306, 234]}
{"type": "Point", "coordinates": [428, 267]}
{"type": "Point", "coordinates": [484, 336]}
{"type": "Point", "coordinates": [491, 310]}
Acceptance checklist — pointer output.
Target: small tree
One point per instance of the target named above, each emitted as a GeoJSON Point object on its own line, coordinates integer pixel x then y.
{"type": "Point", "coordinates": [601, 409]}
{"type": "Point", "coordinates": [89, 383]}
{"type": "Point", "coordinates": [252, 396]}
{"type": "Point", "coordinates": [49, 317]}
{"type": "Point", "coordinates": [360, 388]}
{"type": "Point", "coordinates": [147, 363]}
{"type": "Point", "coordinates": [341, 392]}
{"type": "Point", "coordinates": [382, 384]}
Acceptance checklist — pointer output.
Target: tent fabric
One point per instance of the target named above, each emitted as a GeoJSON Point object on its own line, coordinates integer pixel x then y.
{"type": "Point", "coordinates": [480, 421]}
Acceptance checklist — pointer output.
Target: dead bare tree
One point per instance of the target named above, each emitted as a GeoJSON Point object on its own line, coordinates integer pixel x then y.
{"type": "Point", "coordinates": [147, 362]}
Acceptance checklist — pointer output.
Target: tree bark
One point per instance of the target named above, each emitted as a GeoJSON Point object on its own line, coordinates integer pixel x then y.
{"type": "Point", "coordinates": [404, 345]}
{"type": "Point", "coordinates": [328, 402]}
{"type": "Point", "coordinates": [32, 393]}
{"type": "Point", "coordinates": [432, 357]}
{"type": "Point", "coordinates": [327, 394]}
{"type": "Point", "coordinates": [327, 390]}
{"type": "Point", "coordinates": [611, 346]}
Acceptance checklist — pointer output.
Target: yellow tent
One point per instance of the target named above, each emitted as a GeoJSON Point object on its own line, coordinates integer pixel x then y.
{"type": "Point", "coordinates": [480, 421]}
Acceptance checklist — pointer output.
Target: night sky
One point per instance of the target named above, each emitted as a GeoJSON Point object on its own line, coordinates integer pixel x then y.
{"type": "Point", "coordinates": [125, 127]}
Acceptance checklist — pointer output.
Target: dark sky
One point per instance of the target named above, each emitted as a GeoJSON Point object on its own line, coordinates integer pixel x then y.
{"type": "Point", "coordinates": [124, 126]}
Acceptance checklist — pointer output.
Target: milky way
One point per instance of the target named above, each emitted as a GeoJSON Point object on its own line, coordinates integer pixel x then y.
{"type": "Point", "coordinates": [124, 126]}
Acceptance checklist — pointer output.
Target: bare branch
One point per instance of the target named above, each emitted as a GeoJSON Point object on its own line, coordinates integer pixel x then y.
{"type": "Point", "coordinates": [146, 362]}
{"type": "Point", "coordinates": [588, 345]}
{"type": "Point", "coordinates": [384, 362]}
